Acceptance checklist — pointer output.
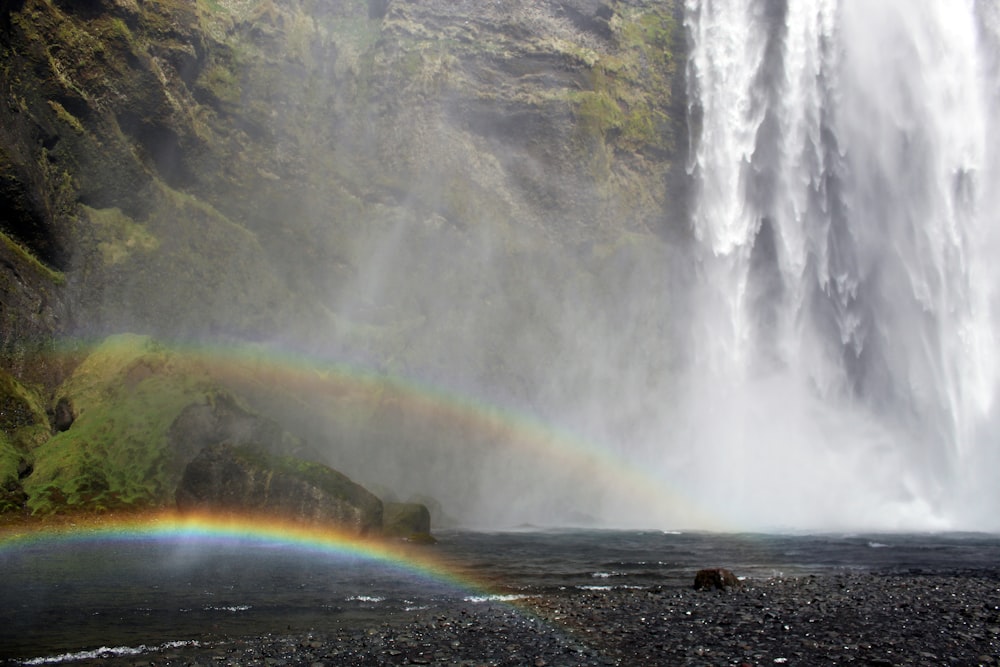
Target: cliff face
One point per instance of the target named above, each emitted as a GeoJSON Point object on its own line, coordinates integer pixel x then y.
{"type": "Point", "coordinates": [450, 189]}
{"type": "Point", "coordinates": [225, 167]}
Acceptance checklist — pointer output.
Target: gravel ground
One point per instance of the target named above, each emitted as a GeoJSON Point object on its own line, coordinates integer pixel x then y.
{"type": "Point", "coordinates": [916, 618]}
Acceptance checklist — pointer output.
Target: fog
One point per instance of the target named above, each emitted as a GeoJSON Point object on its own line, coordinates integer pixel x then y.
{"type": "Point", "coordinates": [768, 302]}
{"type": "Point", "coordinates": [811, 347]}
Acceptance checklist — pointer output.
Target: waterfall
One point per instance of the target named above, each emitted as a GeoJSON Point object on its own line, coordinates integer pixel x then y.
{"type": "Point", "coordinates": [847, 227]}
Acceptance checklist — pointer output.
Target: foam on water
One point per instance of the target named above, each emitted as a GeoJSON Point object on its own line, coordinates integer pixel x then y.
{"type": "Point", "coordinates": [106, 652]}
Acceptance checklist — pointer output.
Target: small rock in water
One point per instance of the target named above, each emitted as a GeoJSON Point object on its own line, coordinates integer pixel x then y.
{"type": "Point", "coordinates": [716, 577]}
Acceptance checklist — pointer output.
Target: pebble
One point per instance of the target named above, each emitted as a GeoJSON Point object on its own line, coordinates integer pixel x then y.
{"type": "Point", "coordinates": [855, 617]}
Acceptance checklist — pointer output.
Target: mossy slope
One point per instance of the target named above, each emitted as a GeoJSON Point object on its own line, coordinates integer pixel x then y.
{"type": "Point", "coordinates": [141, 412]}
{"type": "Point", "coordinates": [24, 426]}
{"type": "Point", "coordinates": [126, 394]}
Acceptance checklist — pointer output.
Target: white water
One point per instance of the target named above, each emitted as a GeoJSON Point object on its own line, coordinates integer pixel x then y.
{"type": "Point", "coordinates": [844, 363]}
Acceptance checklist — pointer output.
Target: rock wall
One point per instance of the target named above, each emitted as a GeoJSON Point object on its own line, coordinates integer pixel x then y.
{"type": "Point", "coordinates": [449, 190]}
{"type": "Point", "coordinates": [227, 171]}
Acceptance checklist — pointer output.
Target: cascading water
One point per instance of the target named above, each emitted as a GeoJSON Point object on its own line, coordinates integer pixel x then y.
{"type": "Point", "coordinates": [844, 360]}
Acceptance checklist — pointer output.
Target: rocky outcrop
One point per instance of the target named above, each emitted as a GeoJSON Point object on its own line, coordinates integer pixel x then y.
{"type": "Point", "coordinates": [140, 425]}
{"type": "Point", "coordinates": [220, 418]}
{"type": "Point", "coordinates": [245, 479]}
{"type": "Point", "coordinates": [409, 520]}
{"type": "Point", "coordinates": [124, 425]}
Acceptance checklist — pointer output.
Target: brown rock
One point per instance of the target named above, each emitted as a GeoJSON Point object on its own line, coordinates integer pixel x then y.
{"type": "Point", "coordinates": [716, 577]}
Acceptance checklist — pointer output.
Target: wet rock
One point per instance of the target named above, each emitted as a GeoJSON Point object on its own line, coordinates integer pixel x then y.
{"type": "Point", "coordinates": [239, 479]}
{"type": "Point", "coordinates": [223, 419]}
{"type": "Point", "coordinates": [63, 415]}
{"type": "Point", "coordinates": [715, 578]}
{"type": "Point", "coordinates": [409, 520]}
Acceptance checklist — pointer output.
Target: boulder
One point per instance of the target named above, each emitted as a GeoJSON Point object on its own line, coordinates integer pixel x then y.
{"type": "Point", "coordinates": [716, 577]}
{"type": "Point", "coordinates": [63, 415]}
{"type": "Point", "coordinates": [246, 479]}
{"type": "Point", "coordinates": [409, 520]}
{"type": "Point", "coordinates": [220, 417]}
{"type": "Point", "coordinates": [439, 517]}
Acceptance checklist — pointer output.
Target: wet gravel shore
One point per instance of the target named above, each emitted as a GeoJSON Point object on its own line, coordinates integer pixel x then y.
{"type": "Point", "coordinates": [914, 618]}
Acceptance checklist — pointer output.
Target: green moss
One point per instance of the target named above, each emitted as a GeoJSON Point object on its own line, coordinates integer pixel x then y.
{"type": "Point", "coordinates": [631, 88]}
{"type": "Point", "coordinates": [10, 459]}
{"type": "Point", "coordinates": [22, 414]}
{"type": "Point", "coordinates": [652, 32]}
{"type": "Point", "coordinates": [126, 393]}
{"type": "Point", "coordinates": [23, 427]}
{"type": "Point", "coordinates": [19, 408]}
{"type": "Point", "coordinates": [598, 112]}
{"type": "Point", "coordinates": [116, 29]}
{"type": "Point", "coordinates": [119, 236]}
{"type": "Point", "coordinates": [11, 493]}
{"type": "Point", "coordinates": [55, 277]}
{"type": "Point", "coordinates": [221, 82]}
{"type": "Point", "coordinates": [66, 116]}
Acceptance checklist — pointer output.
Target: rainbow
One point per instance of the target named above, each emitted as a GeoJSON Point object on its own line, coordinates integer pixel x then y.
{"type": "Point", "coordinates": [248, 530]}
{"type": "Point", "coordinates": [316, 384]}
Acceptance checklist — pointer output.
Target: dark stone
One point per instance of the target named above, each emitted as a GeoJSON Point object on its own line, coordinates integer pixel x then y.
{"type": "Point", "coordinates": [64, 415]}
{"type": "Point", "coordinates": [222, 419]}
{"type": "Point", "coordinates": [439, 518]}
{"type": "Point", "coordinates": [716, 577]}
{"type": "Point", "coordinates": [246, 479]}
{"type": "Point", "coordinates": [406, 520]}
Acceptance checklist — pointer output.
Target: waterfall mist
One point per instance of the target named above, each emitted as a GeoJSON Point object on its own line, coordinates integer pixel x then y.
{"type": "Point", "coordinates": [817, 352]}
{"type": "Point", "coordinates": [676, 264]}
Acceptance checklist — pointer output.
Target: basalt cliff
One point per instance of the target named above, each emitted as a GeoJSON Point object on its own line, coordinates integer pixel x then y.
{"type": "Point", "coordinates": [397, 184]}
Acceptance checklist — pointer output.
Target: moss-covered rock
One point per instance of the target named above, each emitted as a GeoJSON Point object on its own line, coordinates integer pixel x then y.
{"type": "Point", "coordinates": [126, 394]}
{"type": "Point", "coordinates": [32, 309]}
{"type": "Point", "coordinates": [141, 412]}
{"type": "Point", "coordinates": [23, 427]}
{"type": "Point", "coordinates": [20, 411]}
{"type": "Point", "coordinates": [107, 139]}
{"type": "Point", "coordinates": [12, 467]}
{"type": "Point", "coordinates": [138, 425]}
